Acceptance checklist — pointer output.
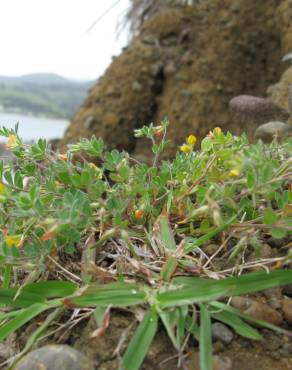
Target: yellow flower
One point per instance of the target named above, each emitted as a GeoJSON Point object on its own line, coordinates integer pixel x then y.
{"type": "Point", "coordinates": [11, 240]}
{"type": "Point", "coordinates": [191, 140]}
{"type": "Point", "coordinates": [12, 140]}
{"type": "Point", "coordinates": [185, 148]}
{"type": "Point", "coordinates": [139, 214]}
{"type": "Point", "coordinates": [217, 130]}
{"type": "Point", "coordinates": [234, 173]}
{"type": "Point", "coordinates": [2, 188]}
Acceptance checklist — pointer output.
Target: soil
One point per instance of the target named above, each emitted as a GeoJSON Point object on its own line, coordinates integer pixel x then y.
{"type": "Point", "coordinates": [186, 64]}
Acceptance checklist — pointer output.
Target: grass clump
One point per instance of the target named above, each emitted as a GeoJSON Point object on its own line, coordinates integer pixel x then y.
{"type": "Point", "coordinates": [94, 229]}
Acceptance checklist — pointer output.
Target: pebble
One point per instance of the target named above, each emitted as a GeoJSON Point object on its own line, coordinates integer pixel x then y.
{"type": "Point", "coordinates": [274, 296]}
{"type": "Point", "coordinates": [222, 332]}
{"type": "Point", "coordinates": [55, 357]}
{"type": "Point", "coordinates": [287, 290]}
{"type": "Point", "coordinates": [222, 363]}
{"type": "Point", "coordinates": [257, 310]}
{"type": "Point", "coordinates": [268, 131]}
{"type": "Point", "coordinates": [287, 309]}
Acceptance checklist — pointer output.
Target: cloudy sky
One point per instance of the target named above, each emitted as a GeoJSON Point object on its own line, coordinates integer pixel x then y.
{"type": "Point", "coordinates": [50, 36]}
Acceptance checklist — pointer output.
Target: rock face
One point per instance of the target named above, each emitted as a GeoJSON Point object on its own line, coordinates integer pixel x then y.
{"type": "Point", "coordinates": [55, 357]}
{"type": "Point", "coordinates": [281, 92]}
{"type": "Point", "coordinates": [186, 64]}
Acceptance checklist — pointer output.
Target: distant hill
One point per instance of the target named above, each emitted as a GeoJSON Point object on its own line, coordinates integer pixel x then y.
{"type": "Point", "coordinates": [42, 94]}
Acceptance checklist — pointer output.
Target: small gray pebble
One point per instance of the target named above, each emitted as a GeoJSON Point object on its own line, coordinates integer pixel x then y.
{"type": "Point", "coordinates": [222, 333]}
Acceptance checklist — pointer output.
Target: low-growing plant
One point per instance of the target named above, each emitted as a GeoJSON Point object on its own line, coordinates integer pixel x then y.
{"type": "Point", "coordinates": [62, 215]}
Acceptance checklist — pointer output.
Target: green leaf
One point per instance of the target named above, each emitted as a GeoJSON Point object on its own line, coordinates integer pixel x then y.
{"type": "Point", "coordinates": [251, 180]}
{"type": "Point", "coordinates": [140, 342]}
{"type": "Point", "coordinates": [168, 320]}
{"type": "Point", "coordinates": [206, 358]}
{"type": "Point", "coordinates": [118, 294]}
{"type": "Point", "coordinates": [24, 316]}
{"type": "Point", "coordinates": [7, 298]}
{"type": "Point", "coordinates": [224, 307]}
{"type": "Point", "coordinates": [206, 144]}
{"type": "Point", "coordinates": [35, 293]}
{"type": "Point", "coordinates": [51, 288]}
{"type": "Point", "coordinates": [168, 268]}
{"type": "Point", "coordinates": [166, 233]}
{"type": "Point", "coordinates": [278, 232]}
{"type": "Point", "coordinates": [212, 290]}
{"type": "Point", "coordinates": [270, 216]}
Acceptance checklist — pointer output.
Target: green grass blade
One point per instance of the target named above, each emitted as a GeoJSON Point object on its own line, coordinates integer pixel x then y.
{"type": "Point", "coordinates": [212, 290]}
{"type": "Point", "coordinates": [7, 276]}
{"type": "Point", "coordinates": [118, 294]}
{"type": "Point", "coordinates": [21, 319]}
{"type": "Point", "coordinates": [51, 289]}
{"type": "Point", "coordinates": [23, 300]}
{"type": "Point", "coordinates": [239, 326]}
{"type": "Point", "coordinates": [166, 234]}
{"type": "Point", "coordinates": [206, 358]}
{"type": "Point", "coordinates": [264, 324]}
{"type": "Point", "coordinates": [193, 327]}
{"type": "Point", "coordinates": [140, 342]}
{"type": "Point", "coordinates": [168, 268]}
{"type": "Point", "coordinates": [35, 293]}
{"type": "Point", "coordinates": [168, 320]}
{"type": "Point", "coordinates": [205, 238]}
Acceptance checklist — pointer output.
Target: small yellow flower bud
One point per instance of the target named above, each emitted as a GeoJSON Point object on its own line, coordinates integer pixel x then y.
{"type": "Point", "coordinates": [234, 173]}
{"type": "Point", "coordinates": [191, 140]}
{"type": "Point", "coordinates": [12, 140]}
{"type": "Point", "coordinates": [217, 130]}
{"type": "Point", "coordinates": [11, 240]}
{"type": "Point", "coordinates": [185, 148]}
{"type": "Point", "coordinates": [139, 214]}
{"type": "Point", "coordinates": [2, 188]}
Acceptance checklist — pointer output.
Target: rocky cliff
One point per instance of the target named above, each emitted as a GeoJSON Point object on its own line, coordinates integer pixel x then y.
{"type": "Point", "coordinates": [186, 64]}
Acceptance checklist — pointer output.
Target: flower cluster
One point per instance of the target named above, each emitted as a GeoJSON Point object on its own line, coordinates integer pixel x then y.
{"type": "Point", "coordinates": [189, 145]}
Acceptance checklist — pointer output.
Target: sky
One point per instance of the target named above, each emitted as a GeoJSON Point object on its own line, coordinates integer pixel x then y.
{"type": "Point", "coordinates": [50, 36]}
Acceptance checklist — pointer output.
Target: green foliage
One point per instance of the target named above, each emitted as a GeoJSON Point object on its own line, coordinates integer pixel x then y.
{"type": "Point", "coordinates": [160, 215]}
